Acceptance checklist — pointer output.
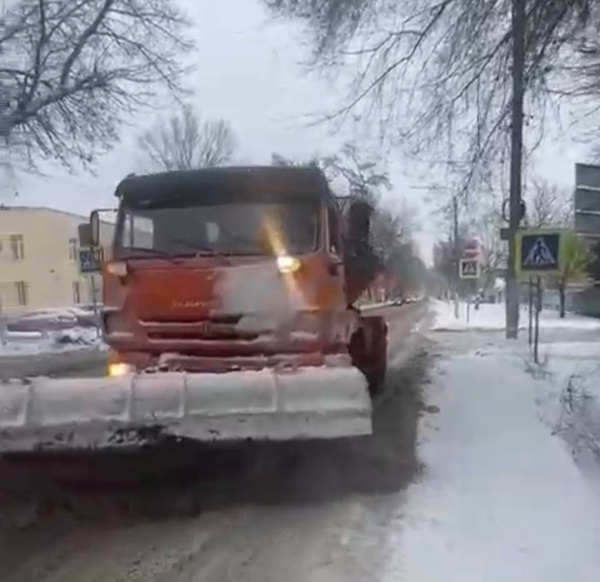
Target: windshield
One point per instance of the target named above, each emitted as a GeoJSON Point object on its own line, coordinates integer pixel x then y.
{"type": "Point", "coordinates": [231, 228]}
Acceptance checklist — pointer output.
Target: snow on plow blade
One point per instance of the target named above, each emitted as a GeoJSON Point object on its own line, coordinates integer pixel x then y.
{"type": "Point", "coordinates": [75, 413]}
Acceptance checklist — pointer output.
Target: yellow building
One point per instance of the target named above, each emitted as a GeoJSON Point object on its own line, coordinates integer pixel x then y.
{"type": "Point", "coordinates": [39, 265]}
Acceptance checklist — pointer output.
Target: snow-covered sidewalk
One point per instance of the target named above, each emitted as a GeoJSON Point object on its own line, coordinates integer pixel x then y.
{"type": "Point", "coordinates": [501, 497]}
{"type": "Point", "coordinates": [491, 317]}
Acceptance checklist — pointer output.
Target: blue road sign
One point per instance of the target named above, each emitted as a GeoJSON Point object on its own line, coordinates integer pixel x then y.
{"type": "Point", "coordinates": [90, 260]}
{"type": "Point", "coordinates": [539, 252]}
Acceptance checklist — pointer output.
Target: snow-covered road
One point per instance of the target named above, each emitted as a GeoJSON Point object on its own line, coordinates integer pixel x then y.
{"type": "Point", "coordinates": [487, 489]}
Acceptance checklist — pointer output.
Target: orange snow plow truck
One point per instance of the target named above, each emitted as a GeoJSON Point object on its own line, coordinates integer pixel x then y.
{"type": "Point", "coordinates": [228, 308]}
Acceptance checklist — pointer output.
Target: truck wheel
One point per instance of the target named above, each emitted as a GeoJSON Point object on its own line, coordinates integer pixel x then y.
{"type": "Point", "coordinates": [370, 355]}
{"type": "Point", "coordinates": [378, 369]}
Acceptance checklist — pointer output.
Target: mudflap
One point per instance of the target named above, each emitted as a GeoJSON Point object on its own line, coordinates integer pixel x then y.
{"type": "Point", "coordinates": [139, 409]}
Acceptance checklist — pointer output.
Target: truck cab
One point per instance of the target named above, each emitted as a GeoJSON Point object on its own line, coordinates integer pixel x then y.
{"type": "Point", "coordinates": [226, 269]}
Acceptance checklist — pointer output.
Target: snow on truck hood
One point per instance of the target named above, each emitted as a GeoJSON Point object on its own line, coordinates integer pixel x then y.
{"type": "Point", "coordinates": [258, 287]}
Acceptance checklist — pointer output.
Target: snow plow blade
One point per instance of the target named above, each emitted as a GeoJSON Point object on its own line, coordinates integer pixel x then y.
{"type": "Point", "coordinates": [138, 409]}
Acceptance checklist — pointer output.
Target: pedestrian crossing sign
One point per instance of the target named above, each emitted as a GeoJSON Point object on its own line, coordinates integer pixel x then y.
{"type": "Point", "coordinates": [469, 269]}
{"type": "Point", "coordinates": [539, 252]}
{"type": "Point", "coordinates": [90, 260]}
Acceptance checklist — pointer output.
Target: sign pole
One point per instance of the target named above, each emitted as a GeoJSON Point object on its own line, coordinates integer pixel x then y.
{"type": "Point", "coordinates": [530, 336]}
{"type": "Point", "coordinates": [456, 302]}
{"type": "Point", "coordinates": [538, 307]}
{"type": "Point", "coordinates": [2, 325]}
{"type": "Point", "coordinates": [469, 268]}
{"type": "Point", "coordinates": [456, 254]}
{"type": "Point", "coordinates": [95, 304]}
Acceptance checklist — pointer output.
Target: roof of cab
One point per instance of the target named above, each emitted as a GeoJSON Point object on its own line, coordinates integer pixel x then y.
{"type": "Point", "coordinates": [285, 180]}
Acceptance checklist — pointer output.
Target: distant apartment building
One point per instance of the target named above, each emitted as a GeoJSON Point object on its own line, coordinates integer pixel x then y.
{"type": "Point", "coordinates": [39, 249]}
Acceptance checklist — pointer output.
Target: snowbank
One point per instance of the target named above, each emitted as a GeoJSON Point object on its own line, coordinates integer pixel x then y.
{"type": "Point", "coordinates": [500, 497]}
{"type": "Point", "coordinates": [52, 319]}
{"type": "Point", "coordinates": [569, 397]}
{"type": "Point", "coordinates": [26, 343]}
{"type": "Point", "coordinates": [367, 306]}
{"type": "Point", "coordinates": [490, 317]}
{"type": "Point", "coordinates": [23, 335]}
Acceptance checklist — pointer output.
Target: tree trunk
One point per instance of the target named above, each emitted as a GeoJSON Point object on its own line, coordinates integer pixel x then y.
{"type": "Point", "coordinates": [561, 295]}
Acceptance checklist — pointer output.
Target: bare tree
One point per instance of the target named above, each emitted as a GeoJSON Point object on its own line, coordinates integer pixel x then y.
{"type": "Point", "coordinates": [184, 142]}
{"type": "Point", "coordinates": [494, 251]}
{"type": "Point", "coordinates": [362, 177]}
{"type": "Point", "coordinates": [72, 71]}
{"type": "Point", "coordinates": [583, 65]}
{"type": "Point", "coordinates": [548, 205]}
{"type": "Point", "coordinates": [279, 160]}
{"type": "Point", "coordinates": [436, 74]}
{"type": "Point", "coordinates": [575, 268]}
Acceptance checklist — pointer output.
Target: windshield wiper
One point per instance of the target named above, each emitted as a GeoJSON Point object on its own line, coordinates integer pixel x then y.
{"type": "Point", "coordinates": [176, 258]}
{"type": "Point", "coordinates": [199, 250]}
{"type": "Point", "coordinates": [155, 252]}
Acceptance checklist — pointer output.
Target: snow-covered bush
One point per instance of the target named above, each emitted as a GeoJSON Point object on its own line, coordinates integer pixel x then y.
{"type": "Point", "coordinates": [579, 420]}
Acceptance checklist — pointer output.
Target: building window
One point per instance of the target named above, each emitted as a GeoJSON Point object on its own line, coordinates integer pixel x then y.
{"type": "Point", "coordinates": [17, 246]}
{"type": "Point", "coordinates": [73, 249]}
{"type": "Point", "coordinates": [76, 292]}
{"type": "Point", "coordinates": [22, 293]}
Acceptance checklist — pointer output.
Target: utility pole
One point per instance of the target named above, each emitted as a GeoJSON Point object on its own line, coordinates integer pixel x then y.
{"type": "Point", "coordinates": [516, 162]}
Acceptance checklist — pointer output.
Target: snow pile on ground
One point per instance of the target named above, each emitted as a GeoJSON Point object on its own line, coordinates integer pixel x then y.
{"type": "Point", "coordinates": [492, 316]}
{"type": "Point", "coordinates": [367, 306]}
{"type": "Point", "coordinates": [52, 319]}
{"type": "Point", "coordinates": [501, 497]}
{"type": "Point", "coordinates": [569, 396]}
{"type": "Point", "coordinates": [25, 343]}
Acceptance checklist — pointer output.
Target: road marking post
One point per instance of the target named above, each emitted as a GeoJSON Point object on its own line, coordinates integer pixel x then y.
{"type": "Point", "coordinates": [538, 308]}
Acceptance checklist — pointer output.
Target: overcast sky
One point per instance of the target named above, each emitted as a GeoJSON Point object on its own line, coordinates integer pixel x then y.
{"type": "Point", "coordinates": [248, 72]}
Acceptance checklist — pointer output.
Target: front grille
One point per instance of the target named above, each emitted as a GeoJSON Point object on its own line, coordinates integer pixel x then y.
{"type": "Point", "coordinates": [215, 328]}
{"type": "Point", "coordinates": [169, 320]}
{"type": "Point", "coordinates": [212, 332]}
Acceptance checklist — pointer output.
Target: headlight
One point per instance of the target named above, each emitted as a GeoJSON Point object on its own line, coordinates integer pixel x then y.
{"type": "Point", "coordinates": [120, 369]}
{"type": "Point", "coordinates": [117, 268]}
{"type": "Point", "coordinates": [287, 264]}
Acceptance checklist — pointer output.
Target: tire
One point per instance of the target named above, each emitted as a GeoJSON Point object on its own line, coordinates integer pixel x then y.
{"type": "Point", "coordinates": [378, 370]}
{"type": "Point", "coordinates": [371, 360]}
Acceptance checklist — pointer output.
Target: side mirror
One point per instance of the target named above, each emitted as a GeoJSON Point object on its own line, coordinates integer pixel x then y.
{"type": "Point", "coordinates": [95, 228]}
{"type": "Point", "coordinates": [359, 220]}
